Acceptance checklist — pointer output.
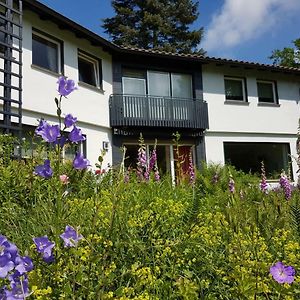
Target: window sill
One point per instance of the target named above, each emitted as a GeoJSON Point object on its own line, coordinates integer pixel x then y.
{"type": "Point", "coordinates": [268, 104]}
{"type": "Point", "coordinates": [49, 72]}
{"type": "Point", "coordinates": [91, 87]}
{"type": "Point", "coordinates": [236, 102]}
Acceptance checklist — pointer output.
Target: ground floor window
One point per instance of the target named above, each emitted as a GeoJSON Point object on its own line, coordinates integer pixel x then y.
{"type": "Point", "coordinates": [167, 157]}
{"type": "Point", "coordinates": [248, 157]}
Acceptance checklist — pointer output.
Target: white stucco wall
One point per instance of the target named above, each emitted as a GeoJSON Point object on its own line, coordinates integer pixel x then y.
{"type": "Point", "coordinates": [249, 123]}
{"type": "Point", "coordinates": [89, 105]}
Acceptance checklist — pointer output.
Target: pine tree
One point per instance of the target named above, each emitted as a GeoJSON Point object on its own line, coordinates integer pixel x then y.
{"type": "Point", "coordinates": [155, 24]}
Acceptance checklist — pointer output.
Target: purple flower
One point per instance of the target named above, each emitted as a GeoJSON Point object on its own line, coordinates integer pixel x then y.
{"type": "Point", "coordinates": [71, 237]}
{"type": "Point", "coordinates": [23, 264]}
{"type": "Point", "coordinates": [231, 184]}
{"type": "Point", "coordinates": [286, 186]}
{"type": "Point", "coordinates": [65, 86]}
{"type": "Point", "coordinates": [19, 287]}
{"type": "Point", "coordinates": [215, 178]}
{"type": "Point", "coordinates": [153, 160]}
{"type": "Point", "coordinates": [75, 135]}
{"type": "Point", "coordinates": [191, 170]}
{"type": "Point", "coordinates": [44, 170]}
{"type": "Point", "coordinates": [70, 120]}
{"type": "Point", "coordinates": [282, 273]}
{"type": "Point", "coordinates": [79, 162]}
{"type": "Point", "coordinates": [49, 133]}
{"type": "Point", "coordinates": [6, 264]}
{"type": "Point", "coordinates": [156, 176]}
{"type": "Point", "coordinates": [263, 183]}
{"type": "Point", "coordinates": [44, 246]}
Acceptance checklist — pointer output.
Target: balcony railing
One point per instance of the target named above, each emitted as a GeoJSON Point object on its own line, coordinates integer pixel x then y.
{"type": "Point", "coordinates": [153, 111]}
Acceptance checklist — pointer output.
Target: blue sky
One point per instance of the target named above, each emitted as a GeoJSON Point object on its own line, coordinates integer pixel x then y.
{"type": "Point", "coordinates": [238, 29]}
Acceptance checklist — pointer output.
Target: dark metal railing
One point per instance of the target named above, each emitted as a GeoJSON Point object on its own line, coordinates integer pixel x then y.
{"type": "Point", "coordinates": [154, 111]}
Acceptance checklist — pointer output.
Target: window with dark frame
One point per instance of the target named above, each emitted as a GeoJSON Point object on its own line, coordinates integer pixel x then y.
{"type": "Point", "coordinates": [235, 89]}
{"type": "Point", "coordinates": [266, 91]}
{"type": "Point", "coordinates": [45, 53]}
{"type": "Point", "coordinates": [89, 70]}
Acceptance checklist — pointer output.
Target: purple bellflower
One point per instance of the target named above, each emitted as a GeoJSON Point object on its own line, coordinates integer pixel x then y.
{"type": "Point", "coordinates": [44, 247]}
{"type": "Point", "coordinates": [6, 264]}
{"type": "Point", "coordinates": [75, 135]}
{"type": "Point", "coordinates": [65, 86]}
{"type": "Point", "coordinates": [49, 133]}
{"type": "Point", "coordinates": [44, 170]}
{"type": "Point", "coordinates": [282, 273]}
{"type": "Point", "coordinates": [70, 120]}
{"type": "Point", "coordinates": [23, 264]}
{"type": "Point", "coordinates": [19, 287]}
{"type": "Point", "coordinates": [71, 237]}
{"type": "Point", "coordinates": [79, 162]}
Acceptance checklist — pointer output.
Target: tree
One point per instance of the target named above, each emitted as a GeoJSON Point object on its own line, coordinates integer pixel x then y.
{"type": "Point", "coordinates": [289, 57]}
{"type": "Point", "coordinates": [155, 24]}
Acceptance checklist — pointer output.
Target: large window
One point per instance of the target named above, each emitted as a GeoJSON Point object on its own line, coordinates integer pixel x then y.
{"type": "Point", "coordinates": [46, 52]}
{"type": "Point", "coordinates": [89, 70]}
{"type": "Point", "coordinates": [157, 83]}
{"type": "Point", "coordinates": [248, 157]}
{"type": "Point", "coordinates": [235, 89]}
{"type": "Point", "coordinates": [266, 91]}
{"type": "Point", "coordinates": [2, 34]}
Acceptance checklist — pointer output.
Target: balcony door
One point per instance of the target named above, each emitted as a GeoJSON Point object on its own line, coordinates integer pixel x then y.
{"type": "Point", "coordinates": [159, 91]}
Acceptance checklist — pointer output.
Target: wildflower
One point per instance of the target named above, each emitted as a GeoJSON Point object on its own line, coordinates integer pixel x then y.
{"type": "Point", "coordinates": [64, 179]}
{"type": "Point", "coordinates": [79, 162]}
{"type": "Point", "coordinates": [100, 172]}
{"type": "Point", "coordinates": [191, 169]}
{"type": "Point", "coordinates": [19, 287]}
{"type": "Point", "coordinates": [44, 246]}
{"type": "Point", "coordinates": [282, 273]}
{"type": "Point", "coordinates": [23, 264]}
{"type": "Point", "coordinates": [70, 120]}
{"type": "Point", "coordinates": [231, 184]}
{"type": "Point", "coordinates": [75, 135]}
{"type": "Point", "coordinates": [49, 133]}
{"type": "Point", "coordinates": [6, 264]}
{"type": "Point", "coordinates": [44, 170]}
{"type": "Point", "coordinates": [65, 86]}
{"type": "Point", "coordinates": [156, 175]}
{"type": "Point", "coordinates": [263, 183]}
{"type": "Point", "coordinates": [286, 186]}
{"type": "Point", "coordinates": [215, 178]}
{"type": "Point", "coordinates": [71, 237]}
{"type": "Point", "coordinates": [61, 141]}
{"type": "Point", "coordinates": [153, 160]}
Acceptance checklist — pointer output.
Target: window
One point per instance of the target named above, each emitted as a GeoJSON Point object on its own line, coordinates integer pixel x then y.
{"type": "Point", "coordinates": [248, 157]}
{"type": "Point", "coordinates": [266, 91]}
{"type": "Point", "coordinates": [89, 70]}
{"type": "Point", "coordinates": [235, 89]}
{"type": "Point", "coordinates": [157, 83]}
{"type": "Point", "coordinates": [46, 52]}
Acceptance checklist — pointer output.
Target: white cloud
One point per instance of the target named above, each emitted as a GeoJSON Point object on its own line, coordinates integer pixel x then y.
{"type": "Point", "coordinates": [243, 20]}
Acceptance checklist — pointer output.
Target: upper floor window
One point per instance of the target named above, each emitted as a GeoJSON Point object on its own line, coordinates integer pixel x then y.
{"type": "Point", "coordinates": [2, 34]}
{"type": "Point", "coordinates": [89, 70]}
{"type": "Point", "coordinates": [46, 52]}
{"type": "Point", "coordinates": [235, 88]}
{"type": "Point", "coordinates": [266, 91]}
{"type": "Point", "coordinates": [157, 83]}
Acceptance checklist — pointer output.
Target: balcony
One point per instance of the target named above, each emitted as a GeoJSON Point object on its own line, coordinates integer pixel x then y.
{"type": "Point", "coordinates": [153, 111]}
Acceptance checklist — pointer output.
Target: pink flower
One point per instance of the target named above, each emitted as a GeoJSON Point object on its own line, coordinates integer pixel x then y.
{"type": "Point", "coordinates": [64, 179]}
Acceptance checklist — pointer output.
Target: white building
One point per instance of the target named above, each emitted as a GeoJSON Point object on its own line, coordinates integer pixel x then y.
{"type": "Point", "coordinates": [224, 110]}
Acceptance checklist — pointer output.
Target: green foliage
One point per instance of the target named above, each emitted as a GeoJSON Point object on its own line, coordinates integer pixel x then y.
{"type": "Point", "coordinates": [152, 240]}
{"type": "Point", "coordinates": [288, 56]}
{"type": "Point", "coordinates": [155, 24]}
